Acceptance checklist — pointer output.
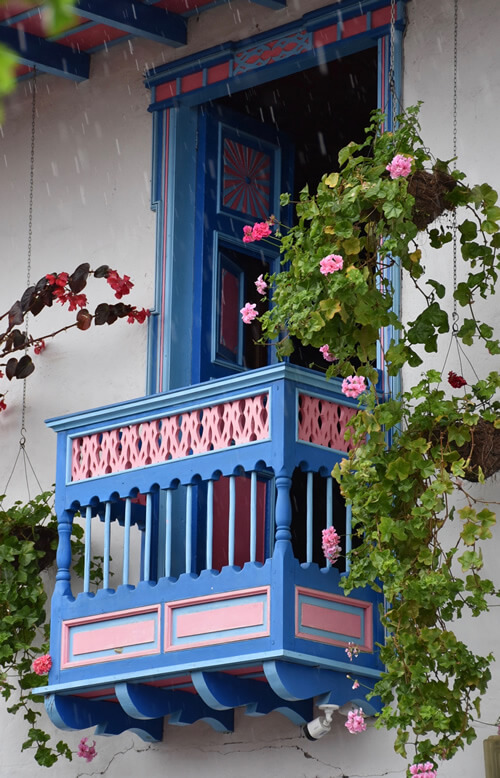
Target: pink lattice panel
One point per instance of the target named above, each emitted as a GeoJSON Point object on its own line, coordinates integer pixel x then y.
{"type": "Point", "coordinates": [197, 432]}
{"type": "Point", "coordinates": [323, 422]}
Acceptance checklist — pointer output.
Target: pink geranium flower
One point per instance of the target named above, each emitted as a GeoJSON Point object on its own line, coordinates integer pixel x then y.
{"type": "Point", "coordinates": [352, 650]}
{"type": "Point", "coordinates": [325, 350]}
{"type": "Point", "coordinates": [400, 167]}
{"type": "Point", "coordinates": [42, 664]}
{"type": "Point", "coordinates": [331, 544]}
{"type": "Point", "coordinates": [330, 264]}
{"type": "Point", "coordinates": [260, 285]}
{"type": "Point", "coordinates": [257, 232]}
{"type": "Point", "coordinates": [425, 770]}
{"type": "Point", "coordinates": [355, 721]}
{"type": "Point", "coordinates": [85, 751]}
{"type": "Point", "coordinates": [353, 386]}
{"type": "Point", "coordinates": [248, 313]}
{"type": "Point", "coordinates": [355, 685]}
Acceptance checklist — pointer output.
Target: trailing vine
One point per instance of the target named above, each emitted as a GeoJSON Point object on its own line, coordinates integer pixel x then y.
{"type": "Point", "coordinates": [28, 543]}
{"type": "Point", "coordinates": [420, 525]}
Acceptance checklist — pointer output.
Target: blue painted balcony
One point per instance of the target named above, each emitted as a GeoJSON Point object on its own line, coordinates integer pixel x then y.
{"type": "Point", "coordinates": [206, 505]}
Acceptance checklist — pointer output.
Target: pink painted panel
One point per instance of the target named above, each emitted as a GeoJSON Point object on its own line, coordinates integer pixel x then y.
{"type": "Point", "coordinates": [325, 36]}
{"type": "Point", "coordinates": [354, 26]}
{"type": "Point", "coordinates": [218, 73]}
{"type": "Point", "coordinates": [218, 619]}
{"type": "Point", "coordinates": [330, 620]}
{"type": "Point", "coordinates": [365, 617]}
{"type": "Point", "coordinates": [164, 91]}
{"type": "Point", "coordinates": [323, 422]}
{"type": "Point", "coordinates": [262, 625]}
{"type": "Point", "coordinates": [116, 636]}
{"type": "Point", "coordinates": [192, 81]}
{"type": "Point", "coordinates": [381, 16]}
{"type": "Point", "coordinates": [196, 432]}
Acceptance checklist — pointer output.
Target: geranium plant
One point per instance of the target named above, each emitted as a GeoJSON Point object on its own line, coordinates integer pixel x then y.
{"type": "Point", "coordinates": [28, 543]}
{"type": "Point", "coordinates": [420, 525]}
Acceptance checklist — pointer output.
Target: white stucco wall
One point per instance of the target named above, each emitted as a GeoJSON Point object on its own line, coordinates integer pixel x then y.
{"type": "Point", "coordinates": [92, 189]}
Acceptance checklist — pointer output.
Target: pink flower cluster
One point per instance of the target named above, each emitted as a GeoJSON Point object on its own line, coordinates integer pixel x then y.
{"type": "Point", "coordinates": [42, 664]}
{"type": "Point", "coordinates": [248, 313]}
{"type": "Point", "coordinates": [257, 232]}
{"type": "Point", "coordinates": [58, 282]}
{"type": "Point", "coordinates": [331, 544]}
{"type": "Point", "coordinates": [121, 286]}
{"type": "Point", "coordinates": [355, 721]}
{"type": "Point", "coordinates": [138, 315]}
{"type": "Point", "coordinates": [353, 386]}
{"type": "Point", "coordinates": [325, 350]}
{"type": "Point", "coordinates": [86, 752]}
{"type": "Point", "coordinates": [400, 167]}
{"type": "Point", "coordinates": [355, 685]}
{"type": "Point", "coordinates": [260, 285]}
{"type": "Point", "coordinates": [352, 650]}
{"type": "Point", "coordinates": [423, 770]}
{"type": "Point", "coordinates": [39, 346]}
{"type": "Point", "coordinates": [330, 264]}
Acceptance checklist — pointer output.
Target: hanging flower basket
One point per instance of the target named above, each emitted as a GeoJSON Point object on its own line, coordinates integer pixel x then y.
{"type": "Point", "coordinates": [483, 450]}
{"type": "Point", "coordinates": [429, 190]}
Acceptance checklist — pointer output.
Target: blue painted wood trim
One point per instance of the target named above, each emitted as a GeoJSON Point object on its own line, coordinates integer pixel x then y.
{"type": "Point", "coordinates": [239, 385]}
{"type": "Point", "coordinates": [312, 21]}
{"type": "Point", "coordinates": [144, 21]}
{"type": "Point", "coordinates": [46, 56]}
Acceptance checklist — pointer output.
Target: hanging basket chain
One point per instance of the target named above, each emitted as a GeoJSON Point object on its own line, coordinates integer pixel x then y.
{"type": "Point", "coordinates": [392, 81]}
{"type": "Point", "coordinates": [22, 440]}
{"type": "Point", "coordinates": [455, 80]}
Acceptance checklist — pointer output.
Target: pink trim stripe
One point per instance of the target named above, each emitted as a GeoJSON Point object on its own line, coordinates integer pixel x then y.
{"type": "Point", "coordinates": [219, 619]}
{"type": "Point", "coordinates": [117, 636]}
{"type": "Point", "coordinates": [329, 620]}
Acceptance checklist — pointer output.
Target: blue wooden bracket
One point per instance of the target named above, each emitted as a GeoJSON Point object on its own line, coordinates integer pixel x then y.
{"type": "Point", "coordinates": [139, 19]}
{"type": "Point", "coordinates": [46, 56]}
{"type": "Point", "coordinates": [299, 712]}
{"type": "Point", "coordinates": [222, 691]}
{"type": "Point", "coordinates": [69, 713]}
{"type": "Point", "coordinates": [148, 702]}
{"type": "Point", "coordinates": [292, 681]}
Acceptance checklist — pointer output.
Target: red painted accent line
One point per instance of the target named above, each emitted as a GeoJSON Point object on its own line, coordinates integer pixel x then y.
{"type": "Point", "coordinates": [117, 636]}
{"type": "Point", "coordinates": [328, 620]}
{"type": "Point", "coordinates": [193, 81]}
{"type": "Point", "coordinates": [218, 619]}
{"type": "Point", "coordinates": [171, 633]}
{"type": "Point", "coordinates": [325, 36]}
{"type": "Point", "coordinates": [381, 16]}
{"type": "Point", "coordinates": [164, 91]}
{"type": "Point", "coordinates": [218, 73]}
{"type": "Point", "coordinates": [354, 26]}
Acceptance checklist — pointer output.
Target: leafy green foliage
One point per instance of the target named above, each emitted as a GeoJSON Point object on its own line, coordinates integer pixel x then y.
{"type": "Point", "coordinates": [28, 542]}
{"type": "Point", "coordinates": [369, 219]}
{"type": "Point", "coordinates": [426, 554]}
{"type": "Point", "coordinates": [416, 547]}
